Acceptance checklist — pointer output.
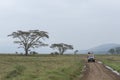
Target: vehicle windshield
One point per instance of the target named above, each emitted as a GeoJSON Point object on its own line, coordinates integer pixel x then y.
{"type": "Point", "coordinates": [90, 55]}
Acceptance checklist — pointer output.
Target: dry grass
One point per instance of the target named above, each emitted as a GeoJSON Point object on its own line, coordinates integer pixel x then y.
{"type": "Point", "coordinates": [40, 67]}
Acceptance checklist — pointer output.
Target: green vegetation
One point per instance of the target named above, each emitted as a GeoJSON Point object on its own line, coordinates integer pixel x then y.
{"type": "Point", "coordinates": [16, 72]}
{"type": "Point", "coordinates": [111, 60]}
{"type": "Point", "coordinates": [40, 67]}
{"type": "Point", "coordinates": [115, 50]}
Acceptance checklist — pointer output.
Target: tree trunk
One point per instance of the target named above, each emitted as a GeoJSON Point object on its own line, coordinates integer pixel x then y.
{"type": "Point", "coordinates": [26, 52]}
{"type": "Point", "coordinates": [62, 52]}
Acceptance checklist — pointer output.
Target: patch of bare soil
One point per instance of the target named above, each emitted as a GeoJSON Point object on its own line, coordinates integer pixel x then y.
{"type": "Point", "coordinates": [97, 71]}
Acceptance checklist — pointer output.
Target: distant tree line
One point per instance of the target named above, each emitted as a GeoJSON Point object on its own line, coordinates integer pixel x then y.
{"type": "Point", "coordinates": [114, 50]}
{"type": "Point", "coordinates": [34, 39]}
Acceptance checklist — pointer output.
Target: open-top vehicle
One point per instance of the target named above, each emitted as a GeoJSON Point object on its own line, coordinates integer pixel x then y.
{"type": "Point", "coordinates": [91, 57]}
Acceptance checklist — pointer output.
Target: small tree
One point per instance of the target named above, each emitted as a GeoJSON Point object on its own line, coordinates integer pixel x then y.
{"type": "Point", "coordinates": [112, 51]}
{"type": "Point", "coordinates": [29, 39]}
{"type": "Point", "coordinates": [117, 50]}
{"type": "Point", "coordinates": [76, 51]}
{"type": "Point", "coordinates": [61, 47]}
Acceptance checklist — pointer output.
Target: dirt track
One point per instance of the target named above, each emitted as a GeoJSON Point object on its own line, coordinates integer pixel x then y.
{"type": "Point", "coordinates": [97, 71]}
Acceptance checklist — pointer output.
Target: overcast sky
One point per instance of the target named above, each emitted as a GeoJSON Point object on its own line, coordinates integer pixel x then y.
{"type": "Point", "coordinates": [82, 23]}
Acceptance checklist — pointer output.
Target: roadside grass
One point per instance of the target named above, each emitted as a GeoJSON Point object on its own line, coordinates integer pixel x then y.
{"type": "Point", "coordinates": [110, 60]}
{"type": "Point", "coordinates": [40, 67]}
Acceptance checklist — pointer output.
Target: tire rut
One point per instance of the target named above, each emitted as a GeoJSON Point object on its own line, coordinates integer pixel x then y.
{"type": "Point", "coordinates": [96, 71]}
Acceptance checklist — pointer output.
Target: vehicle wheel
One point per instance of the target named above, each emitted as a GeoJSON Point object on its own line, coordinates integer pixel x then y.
{"type": "Point", "coordinates": [88, 60]}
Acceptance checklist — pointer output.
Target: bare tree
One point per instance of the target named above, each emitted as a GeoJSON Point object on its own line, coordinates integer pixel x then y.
{"type": "Point", "coordinates": [29, 39]}
{"type": "Point", "coordinates": [61, 47]}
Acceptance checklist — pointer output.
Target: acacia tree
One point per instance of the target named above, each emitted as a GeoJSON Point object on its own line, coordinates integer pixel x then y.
{"type": "Point", "coordinates": [61, 47]}
{"type": "Point", "coordinates": [29, 39]}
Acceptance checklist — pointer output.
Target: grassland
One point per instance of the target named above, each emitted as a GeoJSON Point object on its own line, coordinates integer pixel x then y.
{"type": "Point", "coordinates": [40, 67]}
{"type": "Point", "coordinates": [110, 60]}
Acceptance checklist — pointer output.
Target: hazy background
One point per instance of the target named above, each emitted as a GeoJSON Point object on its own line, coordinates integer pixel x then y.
{"type": "Point", "coordinates": [82, 23]}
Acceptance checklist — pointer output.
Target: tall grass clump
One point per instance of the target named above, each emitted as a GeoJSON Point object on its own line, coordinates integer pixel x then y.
{"type": "Point", "coordinates": [18, 70]}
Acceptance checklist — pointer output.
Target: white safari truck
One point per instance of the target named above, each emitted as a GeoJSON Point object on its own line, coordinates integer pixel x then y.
{"type": "Point", "coordinates": [91, 57]}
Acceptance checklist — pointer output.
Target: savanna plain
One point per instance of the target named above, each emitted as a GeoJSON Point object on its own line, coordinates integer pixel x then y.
{"type": "Point", "coordinates": [49, 67]}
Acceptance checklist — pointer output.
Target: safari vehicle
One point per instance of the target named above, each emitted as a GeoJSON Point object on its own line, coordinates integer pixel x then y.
{"type": "Point", "coordinates": [91, 57]}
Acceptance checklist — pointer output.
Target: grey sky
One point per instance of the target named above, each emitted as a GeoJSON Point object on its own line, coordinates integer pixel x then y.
{"type": "Point", "coordinates": [82, 23]}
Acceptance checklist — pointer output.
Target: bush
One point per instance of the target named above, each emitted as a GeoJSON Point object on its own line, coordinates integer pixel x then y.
{"type": "Point", "coordinates": [54, 53]}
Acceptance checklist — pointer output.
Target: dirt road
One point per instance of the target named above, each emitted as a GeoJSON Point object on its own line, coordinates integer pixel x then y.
{"type": "Point", "coordinates": [97, 71]}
